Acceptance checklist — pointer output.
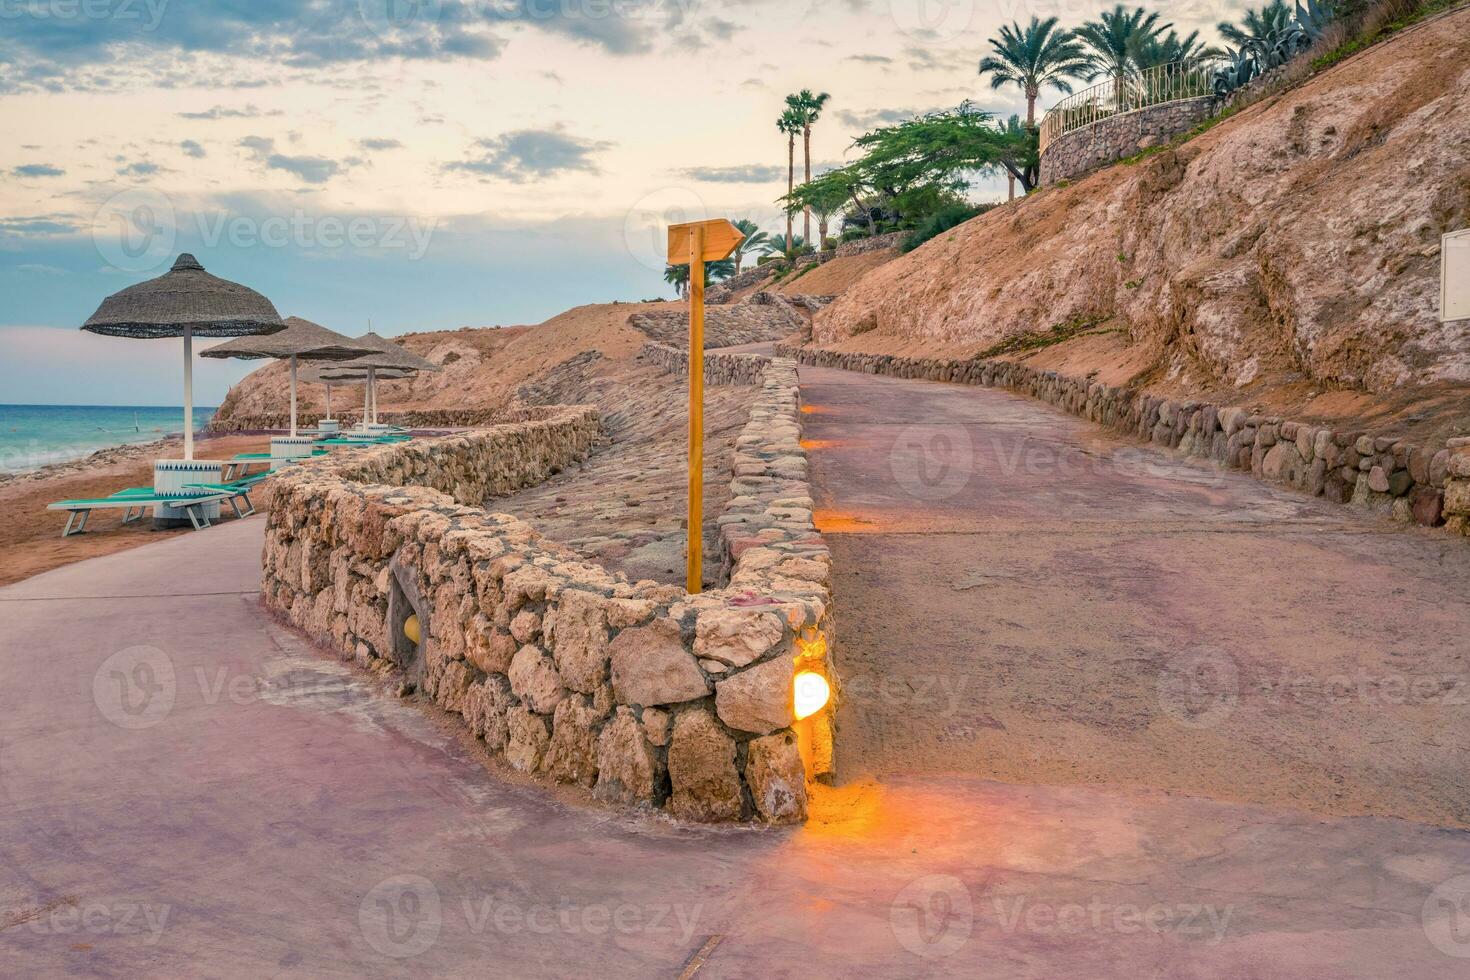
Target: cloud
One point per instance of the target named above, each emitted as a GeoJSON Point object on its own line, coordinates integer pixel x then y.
{"type": "Point", "coordinates": [143, 168]}
{"type": "Point", "coordinates": [378, 145]}
{"type": "Point", "coordinates": [38, 170]}
{"type": "Point", "coordinates": [312, 170]}
{"type": "Point", "coordinates": [150, 37]}
{"type": "Point", "coordinates": [749, 173]}
{"type": "Point", "coordinates": [192, 149]}
{"type": "Point", "coordinates": [249, 111]}
{"type": "Point", "coordinates": [870, 59]}
{"type": "Point", "coordinates": [874, 117]}
{"type": "Point", "coordinates": [532, 154]}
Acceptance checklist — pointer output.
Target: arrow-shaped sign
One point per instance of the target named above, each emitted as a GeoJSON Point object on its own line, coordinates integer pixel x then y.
{"type": "Point", "coordinates": [721, 239]}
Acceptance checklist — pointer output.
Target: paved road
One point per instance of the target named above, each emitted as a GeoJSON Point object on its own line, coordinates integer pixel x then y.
{"type": "Point", "coordinates": [187, 789]}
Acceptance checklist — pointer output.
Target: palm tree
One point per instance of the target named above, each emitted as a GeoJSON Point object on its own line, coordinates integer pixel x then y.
{"type": "Point", "coordinates": [808, 106]}
{"type": "Point", "coordinates": [790, 122]}
{"type": "Point", "coordinates": [1032, 56]}
{"type": "Point", "coordinates": [1114, 37]}
{"type": "Point", "coordinates": [1170, 49]}
{"type": "Point", "coordinates": [678, 275]}
{"type": "Point", "coordinates": [1014, 128]}
{"type": "Point", "coordinates": [780, 244]}
{"type": "Point", "coordinates": [756, 242]}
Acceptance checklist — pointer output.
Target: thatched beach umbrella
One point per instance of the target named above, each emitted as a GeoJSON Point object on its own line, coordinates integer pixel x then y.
{"type": "Point", "coordinates": [301, 340]}
{"type": "Point", "coordinates": [386, 356]}
{"type": "Point", "coordinates": [185, 302]}
{"type": "Point", "coordinates": [334, 374]}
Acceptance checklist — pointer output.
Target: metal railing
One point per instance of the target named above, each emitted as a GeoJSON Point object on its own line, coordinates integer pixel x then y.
{"type": "Point", "coordinates": [1159, 85]}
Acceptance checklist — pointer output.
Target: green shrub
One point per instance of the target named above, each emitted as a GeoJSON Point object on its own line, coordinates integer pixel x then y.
{"type": "Point", "coordinates": [942, 221]}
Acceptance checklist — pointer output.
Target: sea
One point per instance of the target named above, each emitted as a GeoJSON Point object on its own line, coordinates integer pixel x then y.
{"type": "Point", "coordinates": [32, 436]}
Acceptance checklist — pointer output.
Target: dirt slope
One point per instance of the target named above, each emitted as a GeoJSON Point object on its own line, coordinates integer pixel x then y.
{"type": "Point", "coordinates": [836, 277]}
{"type": "Point", "coordinates": [1298, 239]}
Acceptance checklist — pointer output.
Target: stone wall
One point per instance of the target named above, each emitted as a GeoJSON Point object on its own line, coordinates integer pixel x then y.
{"type": "Point", "coordinates": [1073, 154]}
{"type": "Point", "coordinates": [1380, 473]}
{"type": "Point", "coordinates": [719, 369]}
{"type": "Point", "coordinates": [877, 243]}
{"type": "Point", "coordinates": [418, 419]}
{"type": "Point", "coordinates": [638, 692]}
{"type": "Point", "coordinates": [720, 293]}
{"type": "Point", "coordinates": [724, 326]}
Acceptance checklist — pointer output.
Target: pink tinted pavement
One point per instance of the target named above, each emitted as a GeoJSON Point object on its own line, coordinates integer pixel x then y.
{"type": "Point", "coordinates": [189, 789]}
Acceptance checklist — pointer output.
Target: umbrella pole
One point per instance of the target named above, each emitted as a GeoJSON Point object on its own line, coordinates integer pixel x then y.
{"type": "Point", "coordinates": [373, 387]}
{"type": "Point", "coordinates": [329, 401]}
{"type": "Point", "coordinates": [188, 392]}
{"type": "Point", "coordinates": [293, 395]}
{"type": "Point", "coordinates": [367, 398]}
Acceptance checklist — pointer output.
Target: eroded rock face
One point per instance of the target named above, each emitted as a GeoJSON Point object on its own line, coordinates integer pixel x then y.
{"type": "Point", "coordinates": [706, 784]}
{"type": "Point", "coordinates": [736, 637]}
{"type": "Point", "coordinates": [650, 666]}
{"type": "Point", "coordinates": [527, 739]}
{"type": "Point", "coordinates": [777, 780]}
{"type": "Point", "coordinates": [628, 769]}
{"type": "Point", "coordinates": [1273, 243]}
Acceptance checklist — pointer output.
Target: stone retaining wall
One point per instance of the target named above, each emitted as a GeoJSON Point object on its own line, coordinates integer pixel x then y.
{"type": "Point", "coordinates": [719, 369]}
{"type": "Point", "coordinates": [421, 419]}
{"type": "Point", "coordinates": [1109, 140]}
{"type": "Point", "coordinates": [1380, 473]}
{"type": "Point", "coordinates": [724, 326]}
{"type": "Point", "coordinates": [638, 692]}
{"type": "Point", "coordinates": [721, 292]}
{"type": "Point", "coordinates": [877, 243]}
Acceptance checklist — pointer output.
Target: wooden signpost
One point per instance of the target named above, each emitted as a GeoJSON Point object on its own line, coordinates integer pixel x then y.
{"type": "Point", "coordinates": [695, 244]}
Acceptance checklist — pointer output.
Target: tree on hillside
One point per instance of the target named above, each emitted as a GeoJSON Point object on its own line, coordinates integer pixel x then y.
{"type": "Point", "coordinates": [1114, 37]}
{"type": "Point", "coordinates": [790, 123]}
{"type": "Point", "coordinates": [1271, 34]}
{"type": "Point", "coordinates": [808, 106]}
{"type": "Point", "coordinates": [1032, 56]}
{"type": "Point", "coordinates": [756, 242]}
{"type": "Point", "coordinates": [830, 193]}
{"type": "Point", "coordinates": [788, 246]}
{"type": "Point", "coordinates": [938, 149]}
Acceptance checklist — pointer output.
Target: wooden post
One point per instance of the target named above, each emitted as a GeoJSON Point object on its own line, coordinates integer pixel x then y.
{"type": "Point", "coordinates": [695, 548]}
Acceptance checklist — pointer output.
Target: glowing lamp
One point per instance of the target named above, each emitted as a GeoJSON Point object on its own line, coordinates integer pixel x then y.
{"type": "Point", "coordinates": [411, 629]}
{"type": "Point", "coordinates": [812, 693]}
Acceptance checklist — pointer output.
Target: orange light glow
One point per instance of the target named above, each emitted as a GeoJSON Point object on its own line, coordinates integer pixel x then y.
{"type": "Point", "coordinates": [812, 693]}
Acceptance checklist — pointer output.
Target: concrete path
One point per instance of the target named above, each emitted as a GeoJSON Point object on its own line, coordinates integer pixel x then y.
{"type": "Point", "coordinates": [187, 789]}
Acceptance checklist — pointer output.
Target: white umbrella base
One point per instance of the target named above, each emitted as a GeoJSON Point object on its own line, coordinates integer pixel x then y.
{"type": "Point", "coordinates": [329, 427]}
{"type": "Point", "coordinates": [284, 449]}
{"type": "Point", "coordinates": [172, 476]}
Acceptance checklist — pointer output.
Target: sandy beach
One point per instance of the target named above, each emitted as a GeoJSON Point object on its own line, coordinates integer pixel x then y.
{"type": "Point", "coordinates": [30, 535]}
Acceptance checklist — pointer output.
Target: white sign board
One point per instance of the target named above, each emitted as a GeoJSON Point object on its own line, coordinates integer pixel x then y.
{"type": "Point", "coordinates": [1454, 287]}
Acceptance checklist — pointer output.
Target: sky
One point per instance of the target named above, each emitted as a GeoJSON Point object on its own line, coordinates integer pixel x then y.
{"type": "Point", "coordinates": [421, 164]}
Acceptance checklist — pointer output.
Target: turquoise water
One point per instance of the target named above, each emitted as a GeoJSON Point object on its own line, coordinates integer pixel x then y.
{"type": "Point", "coordinates": [32, 436]}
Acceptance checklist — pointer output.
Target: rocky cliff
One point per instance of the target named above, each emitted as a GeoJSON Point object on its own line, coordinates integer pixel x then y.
{"type": "Point", "coordinates": [1298, 239]}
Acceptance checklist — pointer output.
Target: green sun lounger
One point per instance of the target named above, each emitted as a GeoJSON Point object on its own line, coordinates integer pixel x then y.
{"type": "Point", "coordinates": [129, 501]}
{"type": "Point", "coordinates": [238, 490]}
